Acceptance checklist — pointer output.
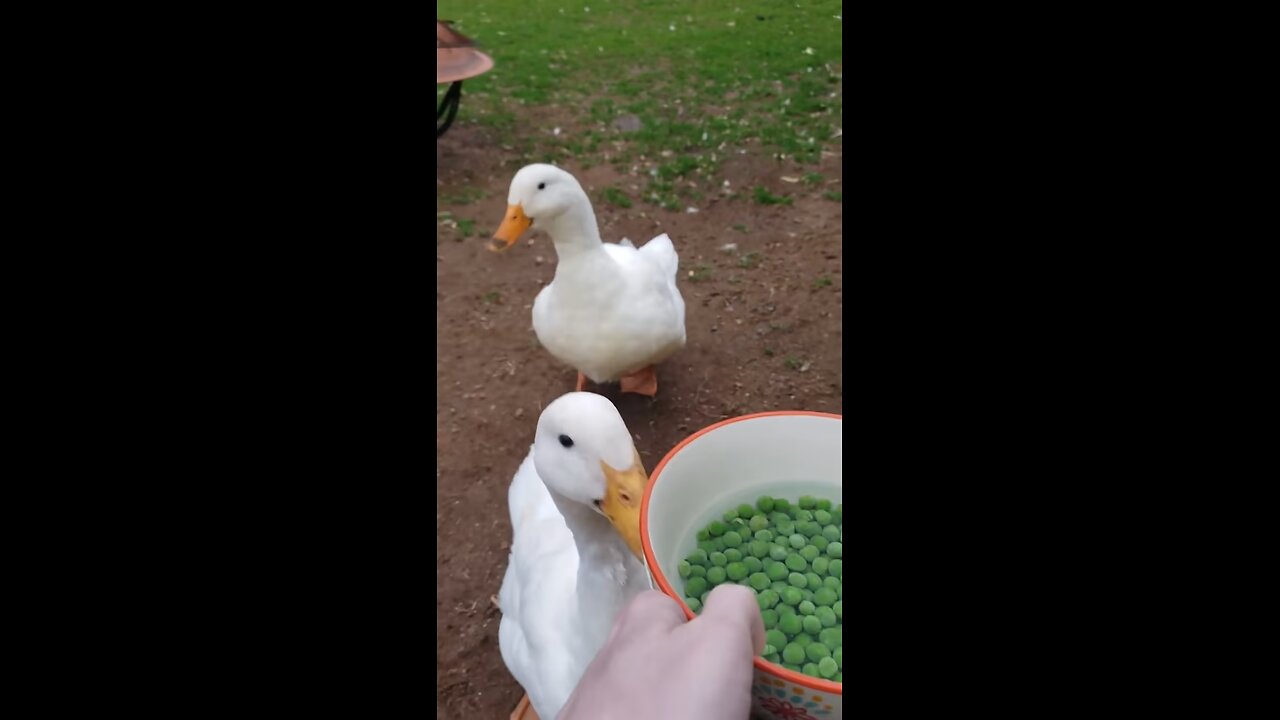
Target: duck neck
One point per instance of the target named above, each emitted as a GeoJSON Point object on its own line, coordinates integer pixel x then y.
{"type": "Point", "coordinates": [602, 570]}
{"type": "Point", "coordinates": [575, 231]}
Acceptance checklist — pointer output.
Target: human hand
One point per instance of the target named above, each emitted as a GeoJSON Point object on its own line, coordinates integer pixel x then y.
{"type": "Point", "coordinates": [655, 665]}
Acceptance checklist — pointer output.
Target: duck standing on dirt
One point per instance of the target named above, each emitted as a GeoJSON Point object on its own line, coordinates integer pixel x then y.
{"type": "Point", "coordinates": [612, 311]}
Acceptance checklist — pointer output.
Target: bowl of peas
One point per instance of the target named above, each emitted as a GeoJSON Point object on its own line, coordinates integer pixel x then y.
{"type": "Point", "coordinates": [757, 500]}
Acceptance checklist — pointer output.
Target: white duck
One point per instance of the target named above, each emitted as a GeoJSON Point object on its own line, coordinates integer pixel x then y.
{"type": "Point", "coordinates": [612, 311]}
{"type": "Point", "coordinates": [574, 563]}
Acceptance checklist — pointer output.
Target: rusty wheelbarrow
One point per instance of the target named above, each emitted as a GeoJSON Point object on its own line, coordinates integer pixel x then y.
{"type": "Point", "coordinates": [456, 60]}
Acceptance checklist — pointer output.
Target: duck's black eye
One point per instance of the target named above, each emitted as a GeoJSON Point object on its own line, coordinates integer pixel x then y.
{"type": "Point", "coordinates": [540, 187]}
{"type": "Point", "coordinates": [566, 441]}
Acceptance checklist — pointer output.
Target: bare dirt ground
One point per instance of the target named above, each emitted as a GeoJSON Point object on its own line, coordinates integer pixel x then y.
{"type": "Point", "coordinates": [764, 323]}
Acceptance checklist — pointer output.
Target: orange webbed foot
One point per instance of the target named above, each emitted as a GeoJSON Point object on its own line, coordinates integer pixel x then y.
{"type": "Point", "coordinates": [641, 382]}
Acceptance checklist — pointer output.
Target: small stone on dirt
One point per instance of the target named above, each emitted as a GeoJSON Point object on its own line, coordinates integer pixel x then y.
{"type": "Point", "coordinates": [628, 123]}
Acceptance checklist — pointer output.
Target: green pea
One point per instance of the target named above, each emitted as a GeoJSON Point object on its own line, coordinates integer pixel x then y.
{"type": "Point", "coordinates": [808, 594]}
{"type": "Point", "coordinates": [806, 607]}
{"type": "Point", "coordinates": [758, 523]}
{"type": "Point", "coordinates": [746, 511]}
{"type": "Point", "coordinates": [768, 649]}
{"type": "Point", "coordinates": [827, 617]}
{"type": "Point", "coordinates": [786, 527]}
{"type": "Point", "coordinates": [717, 528]}
{"type": "Point", "coordinates": [837, 517]}
{"type": "Point", "coordinates": [791, 666]}
{"type": "Point", "coordinates": [718, 543]}
{"type": "Point", "coordinates": [816, 651]}
{"type": "Point", "coordinates": [764, 535]}
{"type": "Point", "coordinates": [779, 585]}
{"type": "Point", "coordinates": [823, 504]}
{"type": "Point", "coordinates": [693, 603]}
{"type": "Point", "coordinates": [819, 565]}
{"type": "Point", "coordinates": [797, 541]}
{"type": "Point", "coordinates": [809, 529]}
{"type": "Point", "coordinates": [703, 534]}
{"type": "Point", "coordinates": [839, 677]}
{"type": "Point", "coordinates": [827, 667]}
{"type": "Point", "coordinates": [785, 610]}
{"type": "Point", "coordinates": [695, 586]}
{"type": "Point", "coordinates": [697, 571]}
{"type": "Point", "coordinates": [736, 570]}
{"type": "Point", "coordinates": [779, 517]}
{"type": "Point", "coordinates": [831, 637]}
{"type": "Point", "coordinates": [732, 539]}
{"type": "Point", "coordinates": [809, 552]}
{"type": "Point", "coordinates": [769, 616]}
{"type": "Point", "coordinates": [775, 570]}
{"type": "Point", "coordinates": [730, 514]}
{"type": "Point", "coordinates": [822, 517]}
{"type": "Point", "coordinates": [833, 583]}
{"type": "Point", "coordinates": [732, 554]}
{"type": "Point", "coordinates": [716, 574]}
{"type": "Point", "coordinates": [835, 549]}
{"type": "Point", "coordinates": [807, 502]}
{"type": "Point", "coordinates": [811, 624]}
{"type": "Point", "coordinates": [698, 557]}
{"type": "Point", "coordinates": [810, 669]}
{"type": "Point", "coordinates": [753, 563]}
{"type": "Point", "coordinates": [778, 553]}
{"type": "Point", "coordinates": [775, 638]}
{"type": "Point", "coordinates": [802, 639]}
{"type": "Point", "coordinates": [824, 596]}
{"type": "Point", "coordinates": [837, 608]}
{"type": "Point", "coordinates": [781, 504]}
{"type": "Point", "coordinates": [775, 658]}
{"type": "Point", "coordinates": [765, 503]}
{"type": "Point", "coordinates": [796, 563]}
{"type": "Point", "coordinates": [803, 516]}
{"type": "Point", "coordinates": [790, 624]}
{"type": "Point", "coordinates": [791, 596]}
{"type": "Point", "coordinates": [838, 656]}
{"type": "Point", "coordinates": [759, 548]}
{"type": "Point", "coordinates": [718, 558]}
{"type": "Point", "coordinates": [814, 581]}
{"type": "Point", "coordinates": [759, 581]}
{"type": "Point", "coordinates": [793, 653]}
{"type": "Point", "coordinates": [831, 532]}
{"type": "Point", "coordinates": [835, 568]}
{"type": "Point", "coordinates": [797, 580]}
{"type": "Point", "coordinates": [767, 599]}
{"type": "Point", "coordinates": [683, 568]}
{"type": "Point", "coordinates": [706, 546]}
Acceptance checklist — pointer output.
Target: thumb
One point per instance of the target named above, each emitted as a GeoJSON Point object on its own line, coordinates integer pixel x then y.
{"type": "Point", "coordinates": [650, 612]}
{"type": "Point", "coordinates": [737, 606]}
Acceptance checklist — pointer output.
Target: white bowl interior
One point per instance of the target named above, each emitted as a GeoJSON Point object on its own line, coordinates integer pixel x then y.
{"type": "Point", "coordinates": [778, 455]}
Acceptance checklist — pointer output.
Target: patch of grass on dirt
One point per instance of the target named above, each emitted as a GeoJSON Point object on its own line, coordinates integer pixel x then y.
{"type": "Point", "coordinates": [812, 178]}
{"type": "Point", "coordinates": [700, 273]}
{"type": "Point", "coordinates": [741, 228]}
{"type": "Point", "coordinates": [821, 282]}
{"type": "Point", "coordinates": [614, 196]}
{"type": "Point", "coordinates": [492, 297]}
{"type": "Point", "coordinates": [793, 362]}
{"type": "Point", "coordinates": [749, 260]}
{"type": "Point", "coordinates": [764, 197]}
{"type": "Point", "coordinates": [835, 195]}
{"type": "Point", "coordinates": [704, 79]}
{"type": "Point", "coordinates": [468, 227]}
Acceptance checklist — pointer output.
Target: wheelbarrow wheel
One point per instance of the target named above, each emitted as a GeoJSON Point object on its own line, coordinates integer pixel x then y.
{"type": "Point", "coordinates": [448, 108]}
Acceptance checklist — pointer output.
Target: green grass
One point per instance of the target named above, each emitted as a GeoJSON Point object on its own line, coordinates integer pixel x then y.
{"type": "Point", "coordinates": [699, 274]}
{"type": "Point", "coordinates": [749, 260]}
{"type": "Point", "coordinates": [467, 227]}
{"type": "Point", "coordinates": [491, 298]}
{"type": "Point", "coordinates": [764, 197]}
{"type": "Point", "coordinates": [706, 78]}
{"type": "Point", "coordinates": [793, 362]}
{"type": "Point", "coordinates": [834, 195]}
{"type": "Point", "coordinates": [614, 196]}
{"type": "Point", "coordinates": [821, 282]}
{"type": "Point", "coordinates": [812, 178]}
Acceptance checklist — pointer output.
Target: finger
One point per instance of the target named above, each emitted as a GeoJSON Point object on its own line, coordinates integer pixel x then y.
{"type": "Point", "coordinates": [649, 612]}
{"type": "Point", "coordinates": [737, 606]}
